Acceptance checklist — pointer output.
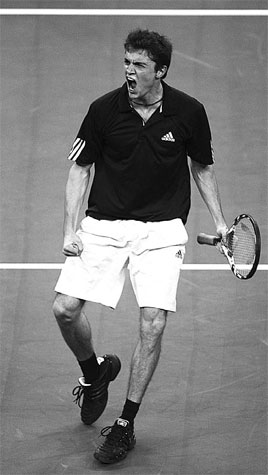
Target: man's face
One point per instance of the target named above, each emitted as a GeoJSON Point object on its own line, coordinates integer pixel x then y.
{"type": "Point", "coordinates": [140, 74]}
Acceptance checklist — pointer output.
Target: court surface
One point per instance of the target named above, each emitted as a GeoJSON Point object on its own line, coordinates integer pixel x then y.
{"type": "Point", "coordinates": [205, 411]}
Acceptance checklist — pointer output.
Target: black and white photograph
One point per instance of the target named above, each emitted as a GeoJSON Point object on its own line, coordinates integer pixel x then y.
{"type": "Point", "coordinates": [133, 237]}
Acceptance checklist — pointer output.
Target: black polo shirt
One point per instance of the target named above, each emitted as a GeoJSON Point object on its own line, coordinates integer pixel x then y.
{"type": "Point", "coordinates": [141, 170]}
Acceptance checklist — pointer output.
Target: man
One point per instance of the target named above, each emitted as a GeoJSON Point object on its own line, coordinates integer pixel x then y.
{"type": "Point", "coordinates": [139, 137]}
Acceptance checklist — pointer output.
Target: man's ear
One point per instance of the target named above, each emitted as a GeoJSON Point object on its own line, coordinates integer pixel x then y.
{"type": "Point", "coordinates": [160, 72]}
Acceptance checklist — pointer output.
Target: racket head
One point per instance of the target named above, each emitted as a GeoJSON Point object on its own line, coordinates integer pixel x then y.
{"type": "Point", "coordinates": [243, 246]}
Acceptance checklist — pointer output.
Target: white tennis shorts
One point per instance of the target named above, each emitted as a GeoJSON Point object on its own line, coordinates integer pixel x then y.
{"type": "Point", "coordinates": [153, 253]}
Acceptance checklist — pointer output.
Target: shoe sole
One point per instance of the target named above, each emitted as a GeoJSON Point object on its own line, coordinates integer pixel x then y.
{"type": "Point", "coordinates": [97, 456]}
{"type": "Point", "coordinates": [115, 363]}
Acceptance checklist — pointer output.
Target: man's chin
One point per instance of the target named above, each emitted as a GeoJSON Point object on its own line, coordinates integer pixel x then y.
{"type": "Point", "coordinates": [132, 94]}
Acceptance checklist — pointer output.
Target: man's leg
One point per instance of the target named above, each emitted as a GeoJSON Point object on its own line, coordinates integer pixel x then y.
{"type": "Point", "coordinates": [97, 373]}
{"type": "Point", "coordinates": [121, 439]}
{"type": "Point", "coordinates": [145, 359]}
{"type": "Point", "coordinates": [147, 351]}
{"type": "Point", "coordinates": [74, 325]}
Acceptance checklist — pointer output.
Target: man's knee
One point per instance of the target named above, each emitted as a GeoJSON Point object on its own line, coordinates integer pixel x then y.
{"type": "Point", "coordinates": [66, 309]}
{"type": "Point", "coordinates": [153, 322]}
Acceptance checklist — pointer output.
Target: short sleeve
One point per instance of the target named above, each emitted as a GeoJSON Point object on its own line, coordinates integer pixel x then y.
{"type": "Point", "coordinates": [199, 146]}
{"type": "Point", "coordinates": [86, 147]}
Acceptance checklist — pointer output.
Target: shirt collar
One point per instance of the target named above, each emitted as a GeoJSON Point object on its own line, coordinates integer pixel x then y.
{"type": "Point", "coordinates": [169, 102]}
{"type": "Point", "coordinates": [124, 105]}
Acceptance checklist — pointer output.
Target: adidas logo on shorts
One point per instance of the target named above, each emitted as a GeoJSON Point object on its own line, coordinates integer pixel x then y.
{"type": "Point", "coordinates": [168, 137]}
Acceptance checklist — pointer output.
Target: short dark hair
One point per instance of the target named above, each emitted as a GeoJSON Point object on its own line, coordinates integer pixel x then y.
{"type": "Point", "coordinates": [158, 47]}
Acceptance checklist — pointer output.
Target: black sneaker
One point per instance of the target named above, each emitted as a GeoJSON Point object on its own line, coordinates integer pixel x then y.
{"type": "Point", "coordinates": [95, 395]}
{"type": "Point", "coordinates": [120, 438]}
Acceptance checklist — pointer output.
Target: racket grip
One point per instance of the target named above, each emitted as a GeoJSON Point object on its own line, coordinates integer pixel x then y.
{"type": "Point", "coordinates": [203, 238]}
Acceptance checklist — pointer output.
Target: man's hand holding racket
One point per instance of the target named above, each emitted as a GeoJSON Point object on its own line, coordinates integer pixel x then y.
{"type": "Point", "coordinates": [241, 245]}
{"type": "Point", "coordinates": [72, 245]}
{"type": "Point", "coordinates": [222, 231]}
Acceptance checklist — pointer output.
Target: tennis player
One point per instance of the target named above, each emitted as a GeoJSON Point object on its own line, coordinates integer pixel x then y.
{"type": "Point", "coordinates": [139, 138]}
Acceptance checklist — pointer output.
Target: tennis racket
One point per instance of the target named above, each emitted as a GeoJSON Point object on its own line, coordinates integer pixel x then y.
{"type": "Point", "coordinates": [242, 247]}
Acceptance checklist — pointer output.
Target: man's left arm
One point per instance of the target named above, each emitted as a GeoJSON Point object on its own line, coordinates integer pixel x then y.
{"type": "Point", "coordinates": [205, 179]}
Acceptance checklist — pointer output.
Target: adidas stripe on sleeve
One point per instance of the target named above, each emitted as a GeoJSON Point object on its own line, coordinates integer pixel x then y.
{"type": "Point", "coordinates": [76, 149]}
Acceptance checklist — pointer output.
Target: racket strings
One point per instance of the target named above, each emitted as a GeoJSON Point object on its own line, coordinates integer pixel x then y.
{"type": "Point", "coordinates": [241, 242]}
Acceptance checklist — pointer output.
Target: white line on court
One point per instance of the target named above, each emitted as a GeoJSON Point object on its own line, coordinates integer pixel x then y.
{"type": "Point", "coordinates": [54, 266]}
{"type": "Point", "coordinates": [129, 12]}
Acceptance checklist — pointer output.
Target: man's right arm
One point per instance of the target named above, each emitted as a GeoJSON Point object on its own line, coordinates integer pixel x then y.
{"type": "Point", "coordinates": [76, 189]}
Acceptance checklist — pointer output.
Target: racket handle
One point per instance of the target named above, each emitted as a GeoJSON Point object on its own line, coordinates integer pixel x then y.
{"type": "Point", "coordinates": [203, 238]}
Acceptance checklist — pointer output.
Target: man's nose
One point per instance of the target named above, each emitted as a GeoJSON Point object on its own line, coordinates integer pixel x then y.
{"type": "Point", "coordinates": [130, 68]}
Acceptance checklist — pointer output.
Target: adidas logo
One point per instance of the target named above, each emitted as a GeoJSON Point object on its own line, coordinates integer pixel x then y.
{"type": "Point", "coordinates": [168, 137]}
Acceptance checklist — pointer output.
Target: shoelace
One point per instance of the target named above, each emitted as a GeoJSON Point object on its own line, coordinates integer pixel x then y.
{"type": "Point", "coordinates": [78, 392]}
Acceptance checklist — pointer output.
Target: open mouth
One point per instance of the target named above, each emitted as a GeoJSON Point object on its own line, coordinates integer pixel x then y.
{"type": "Point", "coordinates": [131, 84]}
